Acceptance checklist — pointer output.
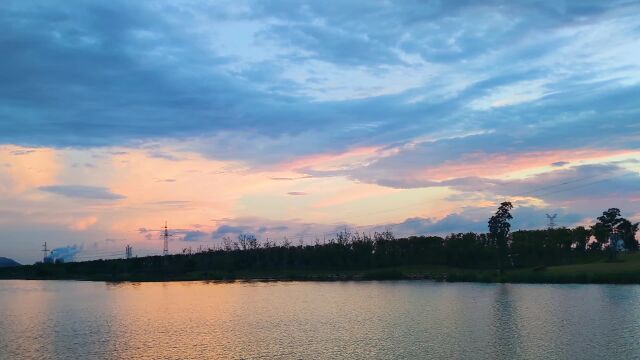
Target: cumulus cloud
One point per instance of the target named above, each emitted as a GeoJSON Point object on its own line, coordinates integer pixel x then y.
{"type": "Point", "coordinates": [195, 235]}
{"type": "Point", "coordinates": [230, 230]}
{"type": "Point", "coordinates": [251, 226]}
{"type": "Point", "coordinates": [263, 229]}
{"type": "Point", "coordinates": [452, 223]}
{"type": "Point", "coordinates": [82, 192]}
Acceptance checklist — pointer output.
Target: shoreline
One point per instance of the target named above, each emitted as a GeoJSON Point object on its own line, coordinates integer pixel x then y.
{"type": "Point", "coordinates": [516, 276]}
{"type": "Point", "coordinates": [626, 270]}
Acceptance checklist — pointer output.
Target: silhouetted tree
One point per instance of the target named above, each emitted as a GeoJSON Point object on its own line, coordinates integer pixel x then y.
{"type": "Point", "coordinates": [499, 227]}
{"type": "Point", "coordinates": [600, 233]}
{"type": "Point", "coordinates": [227, 243]}
{"type": "Point", "coordinates": [606, 226]}
{"type": "Point", "coordinates": [580, 238]}
{"type": "Point", "coordinates": [628, 231]}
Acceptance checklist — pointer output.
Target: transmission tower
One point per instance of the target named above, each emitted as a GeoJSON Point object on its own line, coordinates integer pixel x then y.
{"type": "Point", "coordinates": [45, 252]}
{"type": "Point", "coordinates": [164, 235]}
{"type": "Point", "coordinates": [128, 252]}
{"type": "Point", "coordinates": [552, 220]}
{"type": "Point", "coordinates": [165, 238]}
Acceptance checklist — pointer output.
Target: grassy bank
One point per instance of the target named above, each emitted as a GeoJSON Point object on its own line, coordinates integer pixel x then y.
{"type": "Point", "coordinates": [625, 271]}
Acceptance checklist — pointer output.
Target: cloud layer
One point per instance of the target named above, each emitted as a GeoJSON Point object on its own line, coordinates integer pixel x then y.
{"type": "Point", "coordinates": [526, 77]}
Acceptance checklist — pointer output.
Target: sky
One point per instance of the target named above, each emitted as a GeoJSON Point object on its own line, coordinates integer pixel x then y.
{"type": "Point", "coordinates": [300, 119]}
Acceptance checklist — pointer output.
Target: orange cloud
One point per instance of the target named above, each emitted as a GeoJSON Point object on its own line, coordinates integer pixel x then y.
{"type": "Point", "coordinates": [191, 190]}
{"type": "Point", "coordinates": [24, 168]}
{"type": "Point", "coordinates": [83, 223]}
{"type": "Point", "coordinates": [352, 193]}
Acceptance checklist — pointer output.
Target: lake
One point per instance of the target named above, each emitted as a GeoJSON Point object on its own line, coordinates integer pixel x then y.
{"type": "Point", "coordinates": [317, 320]}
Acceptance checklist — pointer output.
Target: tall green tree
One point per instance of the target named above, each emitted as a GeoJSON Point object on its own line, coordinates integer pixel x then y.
{"type": "Point", "coordinates": [628, 231]}
{"type": "Point", "coordinates": [499, 228]}
{"type": "Point", "coordinates": [606, 227]}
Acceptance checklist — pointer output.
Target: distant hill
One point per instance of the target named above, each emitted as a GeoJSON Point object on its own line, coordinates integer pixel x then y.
{"type": "Point", "coordinates": [6, 262]}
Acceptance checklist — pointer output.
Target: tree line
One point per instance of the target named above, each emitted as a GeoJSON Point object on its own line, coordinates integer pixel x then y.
{"type": "Point", "coordinates": [499, 248]}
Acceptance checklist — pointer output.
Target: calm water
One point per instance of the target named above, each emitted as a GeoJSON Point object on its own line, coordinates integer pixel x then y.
{"type": "Point", "coordinates": [79, 320]}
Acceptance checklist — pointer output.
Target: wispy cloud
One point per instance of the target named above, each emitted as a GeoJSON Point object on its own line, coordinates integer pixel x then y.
{"type": "Point", "coordinates": [22, 152]}
{"type": "Point", "coordinates": [82, 192]}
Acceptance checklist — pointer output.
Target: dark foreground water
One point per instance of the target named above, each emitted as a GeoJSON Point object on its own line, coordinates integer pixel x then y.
{"type": "Point", "coordinates": [364, 320]}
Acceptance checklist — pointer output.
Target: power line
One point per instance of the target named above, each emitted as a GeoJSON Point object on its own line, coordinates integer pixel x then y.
{"type": "Point", "coordinates": [575, 187]}
{"type": "Point", "coordinates": [598, 180]}
{"type": "Point", "coordinates": [101, 252]}
{"type": "Point", "coordinates": [533, 191]}
{"type": "Point", "coordinates": [98, 256]}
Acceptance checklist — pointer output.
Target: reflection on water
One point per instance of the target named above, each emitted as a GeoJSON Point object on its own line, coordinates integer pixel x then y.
{"type": "Point", "coordinates": [66, 320]}
{"type": "Point", "coordinates": [506, 336]}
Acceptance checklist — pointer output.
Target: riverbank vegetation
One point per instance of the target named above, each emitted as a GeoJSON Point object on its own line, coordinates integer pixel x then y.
{"type": "Point", "coordinates": [561, 255]}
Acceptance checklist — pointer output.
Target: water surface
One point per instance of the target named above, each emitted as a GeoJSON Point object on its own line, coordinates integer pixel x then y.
{"type": "Point", "coordinates": [311, 320]}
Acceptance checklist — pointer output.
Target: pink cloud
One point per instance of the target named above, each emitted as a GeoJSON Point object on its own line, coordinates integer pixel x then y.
{"type": "Point", "coordinates": [330, 160]}
{"type": "Point", "coordinates": [491, 165]}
